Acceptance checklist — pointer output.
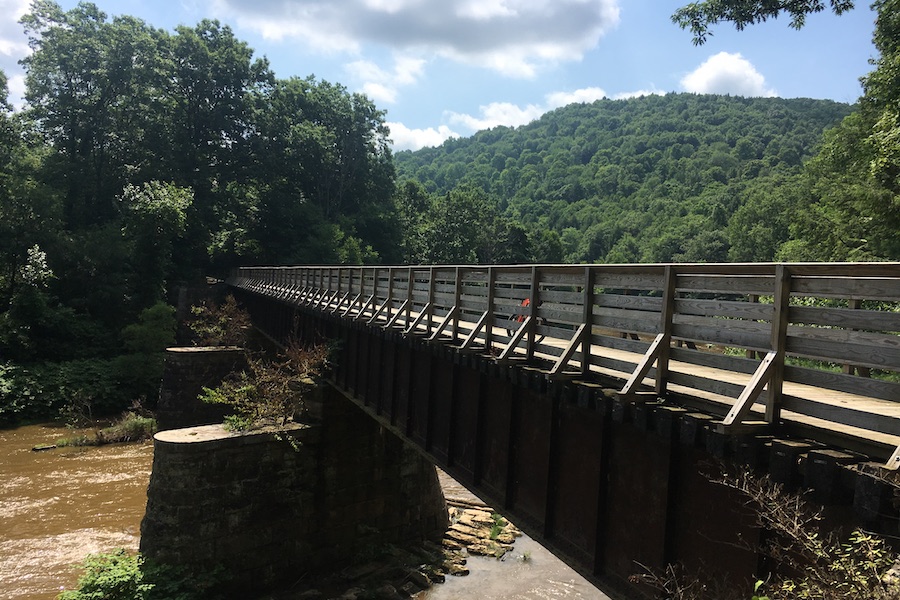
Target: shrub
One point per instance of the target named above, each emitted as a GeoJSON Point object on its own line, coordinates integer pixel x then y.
{"type": "Point", "coordinates": [809, 564]}
{"type": "Point", "coordinates": [219, 325]}
{"type": "Point", "coordinates": [271, 390]}
{"type": "Point", "coordinates": [119, 575]}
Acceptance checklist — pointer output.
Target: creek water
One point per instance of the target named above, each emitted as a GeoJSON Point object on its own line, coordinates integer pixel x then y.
{"type": "Point", "coordinates": [57, 506]}
{"type": "Point", "coordinates": [529, 572]}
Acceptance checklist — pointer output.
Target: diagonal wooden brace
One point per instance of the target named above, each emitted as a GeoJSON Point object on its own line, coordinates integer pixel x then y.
{"type": "Point", "coordinates": [566, 356]}
{"type": "Point", "coordinates": [365, 307]}
{"type": "Point", "coordinates": [745, 401]}
{"type": "Point", "coordinates": [514, 341]}
{"type": "Point", "coordinates": [470, 339]}
{"type": "Point", "coordinates": [644, 366]}
{"type": "Point", "coordinates": [340, 303]}
{"type": "Point", "coordinates": [893, 462]}
{"type": "Point", "coordinates": [397, 314]}
{"type": "Point", "coordinates": [424, 313]}
{"type": "Point", "coordinates": [379, 311]}
{"type": "Point", "coordinates": [350, 306]}
{"type": "Point", "coordinates": [447, 320]}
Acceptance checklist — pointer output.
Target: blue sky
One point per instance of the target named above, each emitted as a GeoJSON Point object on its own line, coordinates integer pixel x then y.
{"type": "Point", "coordinates": [445, 68]}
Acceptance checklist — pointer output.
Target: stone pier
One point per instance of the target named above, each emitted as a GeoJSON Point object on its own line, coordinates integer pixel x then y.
{"type": "Point", "coordinates": [269, 508]}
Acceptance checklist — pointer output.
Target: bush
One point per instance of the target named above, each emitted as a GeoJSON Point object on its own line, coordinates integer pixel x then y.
{"type": "Point", "coordinates": [808, 563]}
{"type": "Point", "coordinates": [219, 325]}
{"type": "Point", "coordinates": [118, 575]}
{"type": "Point", "coordinates": [270, 390]}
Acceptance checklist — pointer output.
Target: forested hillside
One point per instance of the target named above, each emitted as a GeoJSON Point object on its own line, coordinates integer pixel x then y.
{"type": "Point", "coordinates": [652, 179]}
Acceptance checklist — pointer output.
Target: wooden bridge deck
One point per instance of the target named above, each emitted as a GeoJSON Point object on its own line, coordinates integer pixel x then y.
{"type": "Point", "coordinates": [787, 345]}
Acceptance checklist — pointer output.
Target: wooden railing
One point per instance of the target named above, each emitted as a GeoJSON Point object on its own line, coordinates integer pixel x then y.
{"type": "Point", "coordinates": [756, 343]}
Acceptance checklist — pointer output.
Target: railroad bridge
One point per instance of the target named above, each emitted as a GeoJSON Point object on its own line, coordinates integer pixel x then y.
{"type": "Point", "coordinates": [584, 401]}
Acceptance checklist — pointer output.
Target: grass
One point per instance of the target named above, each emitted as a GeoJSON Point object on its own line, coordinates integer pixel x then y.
{"type": "Point", "coordinates": [131, 427]}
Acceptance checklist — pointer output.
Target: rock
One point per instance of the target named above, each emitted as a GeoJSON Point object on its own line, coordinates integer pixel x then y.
{"type": "Point", "coordinates": [420, 579]}
{"type": "Point", "coordinates": [386, 591]}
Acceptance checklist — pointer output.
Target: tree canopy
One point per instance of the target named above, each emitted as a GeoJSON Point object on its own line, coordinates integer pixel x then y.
{"type": "Point", "coordinates": [698, 17]}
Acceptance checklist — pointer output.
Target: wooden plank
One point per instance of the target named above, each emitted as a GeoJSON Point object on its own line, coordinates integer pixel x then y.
{"type": "Point", "coordinates": [627, 301]}
{"type": "Point", "coordinates": [623, 313]}
{"type": "Point", "coordinates": [699, 383]}
{"type": "Point", "coordinates": [725, 308]}
{"type": "Point", "coordinates": [731, 284]}
{"type": "Point", "coordinates": [851, 384]}
{"type": "Point", "coordinates": [882, 356]}
{"type": "Point", "coordinates": [638, 347]}
{"type": "Point", "coordinates": [630, 280]}
{"type": "Point", "coordinates": [720, 335]}
{"type": "Point", "coordinates": [635, 326]}
{"type": "Point", "coordinates": [716, 360]}
{"type": "Point", "coordinates": [573, 297]}
{"type": "Point", "coordinates": [853, 415]}
{"type": "Point", "coordinates": [852, 318]}
{"type": "Point", "coordinates": [848, 288]}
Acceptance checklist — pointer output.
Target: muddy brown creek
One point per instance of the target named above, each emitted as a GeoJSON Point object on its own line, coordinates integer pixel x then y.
{"type": "Point", "coordinates": [57, 506]}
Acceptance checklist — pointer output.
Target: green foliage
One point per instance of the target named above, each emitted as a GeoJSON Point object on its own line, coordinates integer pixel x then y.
{"type": "Point", "coordinates": [271, 390]}
{"type": "Point", "coordinates": [155, 217]}
{"type": "Point", "coordinates": [91, 386]}
{"type": "Point", "coordinates": [756, 587]}
{"type": "Point", "coordinates": [130, 427]}
{"type": "Point", "coordinates": [699, 16]}
{"type": "Point", "coordinates": [147, 158]}
{"type": "Point", "coordinates": [219, 325]}
{"type": "Point", "coordinates": [497, 527]}
{"type": "Point", "coordinates": [807, 561]}
{"type": "Point", "coordinates": [679, 177]}
{"type": "Point", "coordinates": [118, 575]}
{"type": "Point", "coordinates": [154, 331]}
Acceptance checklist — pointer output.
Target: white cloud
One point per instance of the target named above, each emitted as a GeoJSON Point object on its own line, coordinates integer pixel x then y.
{"type": "Point", "coordinates": [498, 113]}
{"type": "Point", "coordinates": [726, 73]}
{"type": "Point", "coordinates": [513, 115]}
{"type": "Point", "coordinates": [514, 37]}
{"type": "Point", "coordinates": [413, 139]}
{"type": "Point", "coordinates": [637, 94]}
{"type": "Point", "coordinates": [381, 85]}
{"type": "Point", "coordinates": [13, 46]}
{"type": "Point", "coordinates": [558, 99]}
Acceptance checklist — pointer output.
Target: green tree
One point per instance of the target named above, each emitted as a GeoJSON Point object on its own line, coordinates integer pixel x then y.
{"type": "Point", "coordinates": [328, 167]}
{"type": "Point", "coordinates": [155, 217]}
{"type": "Point", "coordinates": [699, 16]}
{"type": "Point", "coordinates": [460, 228]}
{"type": "Point", "coordinates": [90, 85]}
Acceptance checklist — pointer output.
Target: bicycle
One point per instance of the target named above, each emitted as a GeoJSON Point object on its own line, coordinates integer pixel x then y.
{"type": "Point", "coordinates": [516, 320]}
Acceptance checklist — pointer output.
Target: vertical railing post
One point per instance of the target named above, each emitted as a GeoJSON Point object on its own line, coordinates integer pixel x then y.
{"type": "Point", "coordinates": [457, 295]}
{"type": "Point", "coordinates": [410, 279]}
{"type": "Point", "coordinates": [489, 322]}
{"type": "Point", "coordinates": [533, 301]}
{"type": "Point", "coordinates": [587, 318]}
{"type": "Point", "coordinates": [782, 302]}
{"type": "Point", "coordinates": [390, 300]}
{"type": "Point", "coordinates": [666, 318]}
{"type": "Point", "coordinates": [430, 315]}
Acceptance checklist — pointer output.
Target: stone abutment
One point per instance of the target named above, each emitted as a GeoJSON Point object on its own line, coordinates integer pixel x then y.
{"type": "Point", "coordinates": [270, 507]}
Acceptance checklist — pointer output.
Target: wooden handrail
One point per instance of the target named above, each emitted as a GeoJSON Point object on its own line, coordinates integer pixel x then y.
{"type": "Point", "coordinates": [755, 337]}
